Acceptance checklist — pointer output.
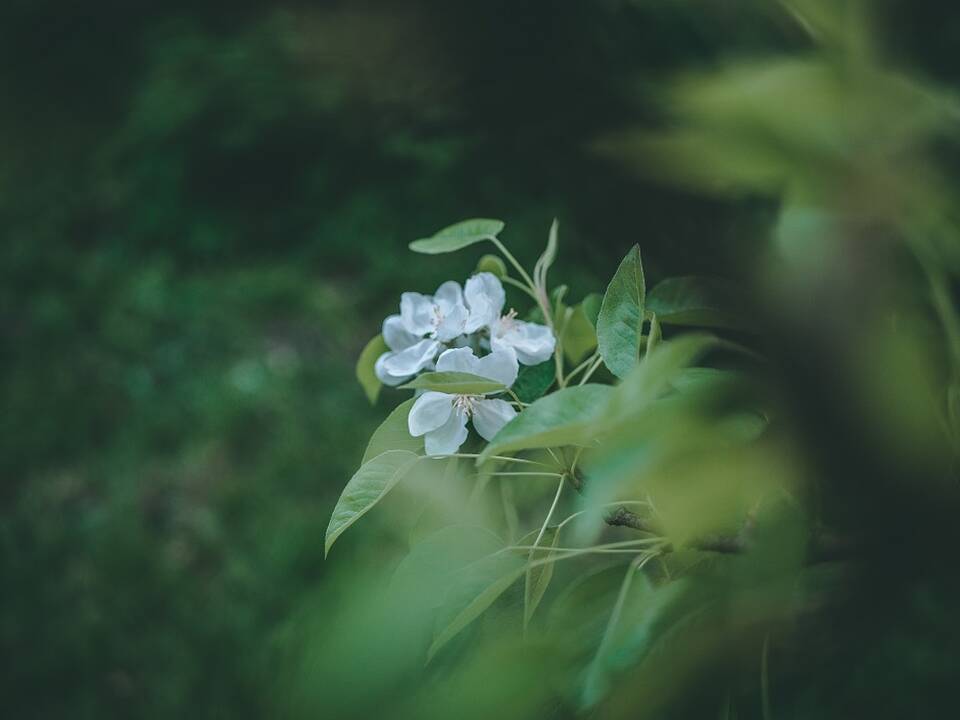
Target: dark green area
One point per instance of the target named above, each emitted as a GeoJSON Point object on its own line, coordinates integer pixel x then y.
{"type": "Point", "coordinates": [204, 214]}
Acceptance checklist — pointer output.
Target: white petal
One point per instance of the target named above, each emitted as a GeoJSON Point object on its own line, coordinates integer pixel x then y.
{"type": "Point", "coordinates": [412, 360]}
{"type": "Point", "coordinates": [396, 335]}
{"type": "Point", "coordinates": [381, 373]}
{"type": "Point", "coordinates": [430, 411]}
{"type": "Point", "coordinates": [491, 415]}
{"type": "Point", "coordinates": [448, 295]}
{"type": "Point", "coordinates": [417, 313]}
{"type": "Point", "coordinates": [450, 314]}
{"type": "Point", "coordinates": [452, 323]}
{"type": "Point", "coordinates": [485, 297]}
{"type": "Point", "coordinates": [459, 360]}
{"type": "Point", "coordinates": [447, 438]}
{"type": "Point", "coordinates": [533, 343]}
{"type": "Point", "coordinates": [500, 365]}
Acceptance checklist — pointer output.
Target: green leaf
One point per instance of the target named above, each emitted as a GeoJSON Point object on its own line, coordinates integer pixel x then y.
{"type": "Point", "coordinates": [548, 256]}
{"type": "Point", "coordinates": [366, 488]}
{"type": "Point", "coordinates": [393, 434]}
{"type": "Point", "coordinates": [538, 579]}
{"type": "Point", "coordinates": [654, 376]}
{"type": "Point", "coordinates": [458, 236]}
{"type": "Point", "coordinates": [591, 307]}
{"type": "Point", "coordinates": [581, 611]}
{"type": "Point", "coordinates": [579, 336]}
{"type": "Point", "coordinates": [556, 302]}
{"type": "Point", "coordinates": [417, 587]}
{"type": "Point", "coordinates": [454, 383]}
{"type": "Point", "coordinates": [646, 619]}
{"type": "Point", "coordinates": [620, 322]}
{"type": "Point", "coordinates": [472, 591]}
{"type": "Point", "coordinates": [557, 306]}
{"type": "Point", "coordinates": [633, 592]}
{"type": "Point", "coordinates": [699, 301]}
{"type": "Point", "coordinates": [697, 378]}
{"type": "Point", "coordinates": [424, 574]}
{"type": "Point", "coordinates": [365, 374]}
{"type": "Point", "coordinates": [566, 417]}
{"type": "Point", "coordinates": [492, 264]}
{"type": "Point", "coordinates": [534, 380]}
{"type": "Point", "coordinates": [655, 335]}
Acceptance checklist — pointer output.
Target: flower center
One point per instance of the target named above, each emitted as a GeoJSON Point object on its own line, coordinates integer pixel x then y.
{"type": "Point", "coordinates": [465, 403]}
{"type": "Point", "coordinates": [506, 322]}
{"type": "Point", "coordinates": [438, 317]}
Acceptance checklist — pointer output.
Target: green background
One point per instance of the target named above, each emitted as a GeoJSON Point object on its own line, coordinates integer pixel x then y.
{"type": "Point", "coordinates": [205, 209]}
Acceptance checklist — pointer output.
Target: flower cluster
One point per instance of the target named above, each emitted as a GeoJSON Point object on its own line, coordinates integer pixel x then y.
{"type": "Point", "coordinates": [445, 332]}
{"type": "Point", "coordinates": [442, 418]}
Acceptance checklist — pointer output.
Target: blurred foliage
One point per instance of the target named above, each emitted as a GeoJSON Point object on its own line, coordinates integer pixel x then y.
{"type": "Point", "coordinates": [205, 210]}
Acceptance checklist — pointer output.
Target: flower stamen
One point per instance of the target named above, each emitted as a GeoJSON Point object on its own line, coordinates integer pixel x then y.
{"type": "Point", "coordinates": [506, 322]}
{"type": "Point", "coordinates": [465, 403]}
{"type": "Point", "coordinates": [438, 318]}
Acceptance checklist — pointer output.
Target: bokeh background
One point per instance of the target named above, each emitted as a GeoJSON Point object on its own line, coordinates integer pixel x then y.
{"type": "Point", "coordinates": [205, 209]}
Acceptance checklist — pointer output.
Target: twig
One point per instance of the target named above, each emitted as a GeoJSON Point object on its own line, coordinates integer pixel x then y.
{"type": "Point", "coordinates": [591, 371]}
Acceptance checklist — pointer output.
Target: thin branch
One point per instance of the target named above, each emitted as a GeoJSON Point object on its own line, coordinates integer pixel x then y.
{"type": "Point", "coordinates": [591, 551]}
{"type": "Point", "coordinates": [513, 261]}
{"type": "Point", "coordinates": [516, 399]}
{"type": "Point", "coordinates": [503, 458]}
{"type": "Point", "coordinates": [520, 286]}
{"type": "Point", "coordinates": [823, 547]}
{"type": "Point", "coordinates": [591, 371]}
{"type": "Point", "coordinates": [579, 368]}
{"type": "Point", "coordinates": [527, 474]}
{"type": "Point", "coordinates": [509, 509]}
{"type": "Point", "coordinates": [593, 548]}
{"type": "Point", "coordinates": [621, 517]}
{"type": "Point", "coordinates": [536, 543]}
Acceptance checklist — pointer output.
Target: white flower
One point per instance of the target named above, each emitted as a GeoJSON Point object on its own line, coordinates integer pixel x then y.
{"type": "Point", "coordinates": [408, 355]}
{"type": "Point", "coordinates": [442, 417]}
{"type": "Point", "coordinates": [485, 298]}
{"type": "Point", "coordinates": [441, 316]}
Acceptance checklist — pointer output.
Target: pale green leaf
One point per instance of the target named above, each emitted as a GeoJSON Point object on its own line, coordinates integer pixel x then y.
{"type": "Point", "coordinates": [579, 336]}
{"type": "Point", "coordinates": [620, 322]}
{"type": "Point", "coordinates": [365, 363]}
{"type": "Point", "coordinates": [566, 417]}
{"type": "Point", "coordinates": [637, 625]}
{"type": "Point", "coordinates": [654, 376]}
{"type": "Point", "coordinates": [557, 296]}
{"type": "Point", "coordinates": [454, 383]}
{"type": "Point", "coordinates": [698, 378]}
{"type": "Point", "coordinates": [655, 335]}
{"type": "Point", "coordinates": [419, 584]}
{"type": "Point", "coordinates": [548, 256]}
{"type": "Point", "coordinates": [539, 577]}
{"type": "Point", "coordinates": [700, 301]}
{"type": "Point", "coordinates": [393, 434]}
{"type": "Point", "coordinates": [472, 590]}
{"type": "Point", "coordinates": [424, 574]}
{"type": "Point", "coordinates": [591, 307]}
{"type": "Point", "coordinates": [581, 610]}
{"type": "Point", "coordinates": [366, 488]}
{"type": "Point", "coordinates": [493, 264]}
{"type": "Point", "coordinates": [458, 236]}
